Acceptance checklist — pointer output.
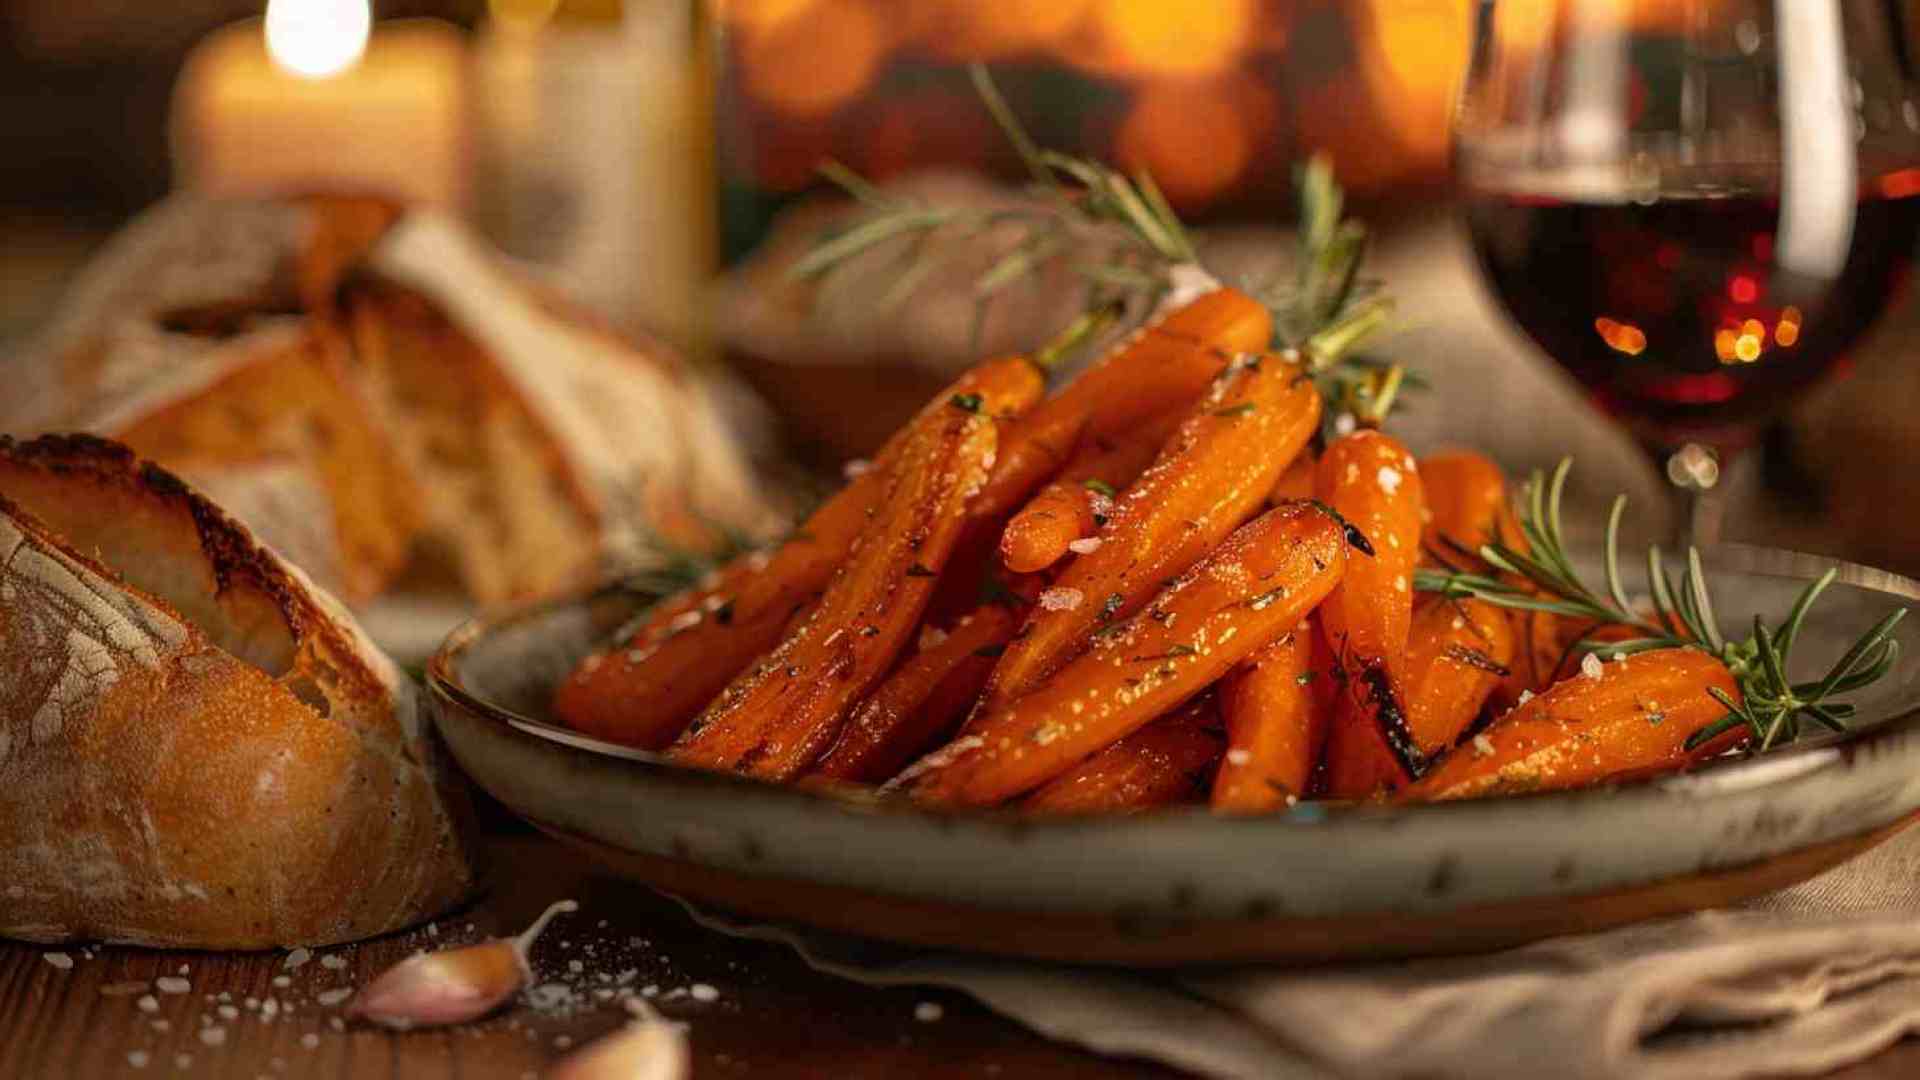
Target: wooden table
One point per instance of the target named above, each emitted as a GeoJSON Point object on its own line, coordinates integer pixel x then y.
{"type": "Point", "coordinates": [773, 1015]}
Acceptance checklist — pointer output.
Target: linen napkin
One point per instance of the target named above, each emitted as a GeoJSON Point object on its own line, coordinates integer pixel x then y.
{"type": "Point", "coordinates": [1799, 982]}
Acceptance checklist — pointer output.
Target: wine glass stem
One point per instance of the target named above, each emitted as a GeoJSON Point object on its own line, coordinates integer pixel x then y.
{"type": "Point", "coordinates": [1693, 472]}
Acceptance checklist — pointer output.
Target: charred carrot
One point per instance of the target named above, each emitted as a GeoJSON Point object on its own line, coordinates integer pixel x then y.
{"type": "Point", "coordinates": [1371, 481]}
{"type": "Point", "coordinates": [1274, 732]}
{"type": "Point", "coordinates": [1170, 761]}
{"type": "Point", "coordinates": [924, 698]}
{"type": "Point", "coordinates": [1212, 476]}
{"type": "Point", "coordinates": [1256, 586]}
{"type": "Point", "coordinates": [646, 688]}
{"type": "Point", "coordinates": [1167, 362]}
{"type": "Point", "coordinates": [1076, 502]}
{"type": "Point", "coordinates": [1614, 721]}
{"type": "Point", "coordinates": [779, 715]}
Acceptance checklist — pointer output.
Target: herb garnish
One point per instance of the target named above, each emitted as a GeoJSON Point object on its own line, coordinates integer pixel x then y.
{"type": "Point", "coordinates": [1682, 616]}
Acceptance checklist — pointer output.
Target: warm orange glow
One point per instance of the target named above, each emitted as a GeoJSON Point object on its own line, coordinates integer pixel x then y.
{"type": "Point", "coordinates": [1723, 345]}
{"type": "Point", "coordinates": [1753, 328]}
{"type": "Point", "coordinates": [318, 39]}
{"type": "Point", "coordinates": [1194, 138]}
{"type": "Point", "coordinates": [756, 16]}
{"type": "Point", "coordinates": [1747, 348]}
{"type": "Point", "coordinates": [810, 67]}
{"type": "Point", "coordinates": [972, 30]}
{"type": "Point", "coordinates": [1413, 54]}
{"type": "Point", "coordinates": [1788, 331]}
{"type": "Point", "coordinates": [1621, 337]}
{"type": "Point", "coordinates": [1155, 37]}
{"type": "Point", "coordinates": [1743, 289]}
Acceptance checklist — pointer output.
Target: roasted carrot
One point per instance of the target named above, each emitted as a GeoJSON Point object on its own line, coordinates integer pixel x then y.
{"type": "Point", "coordinates": [1616, 720]}
{"type": "Point", "coordinates": [1466, 494]}
{"type": "Point", "coordinates": [658, 675]}
{"type": "Point", "coordinates": [1297, 481]}
{"type": "Point", "coordinates": [1457, 652]}
{"type": "Point", "coordinates": [1166, 362]}
{"type": "Point", "coordinates": [1274, 732]}
{"type": "Point", "coordinates": [1255, 587]}
{"type": "Point", "coordinates": [924, 698]}
{"type": "Point", "coordinates": [779, 715]}
{"type": "Point", "coordinates": [1213, 475]}
{"type": "Point", "coordinates": [1077, 501]}
{"type": "Point", "coordinates": [1371, 480]}
{"type": "Point", "coordinates": [1170, 761]}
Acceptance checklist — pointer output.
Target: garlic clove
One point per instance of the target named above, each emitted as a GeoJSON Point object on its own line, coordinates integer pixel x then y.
{"type": "Point", "coordinates": [446, 987]}
{"type": "Point", "coordinates": [645, 1048]}
{"type": "Point", "coordinates": [452, 986]}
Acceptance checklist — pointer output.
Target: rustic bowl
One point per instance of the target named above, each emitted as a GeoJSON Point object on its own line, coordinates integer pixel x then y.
{"type": "Point", "coordinates": [1315, 883]}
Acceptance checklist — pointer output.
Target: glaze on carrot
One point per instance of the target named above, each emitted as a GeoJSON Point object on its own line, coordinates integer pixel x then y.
{"type": "Point", "coordinates": [1258, 585]}
{"type": "Point", "coordinates": [782, 713]}
{"type": "Point", "coordinates": [1274, 731]}
{"type": "Point", "coordinates": [1616, 720]}
{"type": "Point", "coordinates": [1168, 762]}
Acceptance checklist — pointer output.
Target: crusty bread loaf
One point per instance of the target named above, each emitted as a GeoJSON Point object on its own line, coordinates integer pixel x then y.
{"type": "Point", "coordinates": [197, 746]}
{"type": "Point", "coordinates": [465, 425]}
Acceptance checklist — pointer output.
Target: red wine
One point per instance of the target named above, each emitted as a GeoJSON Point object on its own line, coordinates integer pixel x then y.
{"type": "Point", "coordinates": [1679, 314]}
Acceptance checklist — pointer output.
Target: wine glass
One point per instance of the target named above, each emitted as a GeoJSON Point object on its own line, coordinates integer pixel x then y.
{"type": "Point", "coordinates": [1694, 207]}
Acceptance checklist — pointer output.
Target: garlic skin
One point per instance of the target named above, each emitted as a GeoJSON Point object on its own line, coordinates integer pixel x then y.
{"type": "Point", "coordinates": [646, 1048]}
{"type": "Point", "coordinates": [452, 986]}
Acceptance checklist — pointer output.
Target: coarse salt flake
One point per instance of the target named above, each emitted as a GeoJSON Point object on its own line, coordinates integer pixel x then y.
{"type": "Point", "coordinates": [213, 1036]}
{"type": "Point", "coordinates": [170, 984]}
{"type": "Point", "coordinates": [931, 636]}
{"type": "Point", "coordinates": [297, 958]}
{"type": "Point", "coordinates": [703, 993]}
{"type": "Point", "coordinates": [1238, 756]}
{"type": "Point", "coordinates": [1482, 746]}
{"type": "Point", "coordinates": [334, 996]}
{"type": "Point", "coordinates": [857, 468]}
{"type": "Point", "coordinates": [1590, 666]}
{"type": "Point", "coordinates": [333, 963]}
{"type": "Point", "coordinates": [310, 1041]}
{"type": "Point", "coordinates": [1389, 478]}
{"type": "Point", "coordinates": [928, 1011]}
{"type": "Point", "coordinates": [138, 1058]}
{"type": "Point", "coordinates": [1061, 599]}
{"type": "Point", "coordinates": [58, 959]}
{"type": "Point", "coordinates": [1085, 546]}
{"type": "Point", "coordinates": [148, 1003]}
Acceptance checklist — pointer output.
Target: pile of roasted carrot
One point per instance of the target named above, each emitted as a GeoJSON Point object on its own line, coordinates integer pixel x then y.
{"type": "Point", "coordinates": [1158, 585]}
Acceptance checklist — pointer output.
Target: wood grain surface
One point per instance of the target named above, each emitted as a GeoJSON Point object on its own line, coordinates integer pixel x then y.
{"type": "Point", "coordinates": [772, 1017]}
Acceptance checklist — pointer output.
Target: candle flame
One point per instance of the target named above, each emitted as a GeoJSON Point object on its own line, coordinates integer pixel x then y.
{"type": "Point", "coordinates": [318, 39]}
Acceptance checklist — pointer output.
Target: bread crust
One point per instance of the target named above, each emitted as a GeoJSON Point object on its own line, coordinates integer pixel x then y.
{"type": "Point", "coordinates": [158, 788]}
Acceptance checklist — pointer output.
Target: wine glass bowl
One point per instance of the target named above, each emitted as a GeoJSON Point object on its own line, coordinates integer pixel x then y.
{"type": "Point", "coordinates": [1695, 208]}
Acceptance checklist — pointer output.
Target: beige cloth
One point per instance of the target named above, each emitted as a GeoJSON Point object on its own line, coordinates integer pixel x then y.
{"type": "Point", "coordinates": [1800, 982]}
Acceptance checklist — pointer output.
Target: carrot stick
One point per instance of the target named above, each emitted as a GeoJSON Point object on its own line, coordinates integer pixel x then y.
{"type": "Point", "coordinates": [1466, 494]}
{"type": "Point", "coordinates": [646, 688]}
{"type": "Point", "coordinates": [1256, 586]}
{"type": "Point", "coordinates": [1274, 732]}
{"type": "Point", "coordinates": [1212, 476]}
{"type": "Point", "coordinates": [1371, 480]}
{"type": "Point", "coordinates": [1165, 363]}
{"type": "Point", "coordinates": [1457, 652]}
{"type": "Point", "coordinates": [1632, 718]}
{"type": "Point", "coordinates": [1077, 501]}
{"type": "Point", "coordinates": [780, 714]}
{"type": "Point", "coordinates": [1169, 761]}
{"type": "Point", "coordinates": [921, 701]}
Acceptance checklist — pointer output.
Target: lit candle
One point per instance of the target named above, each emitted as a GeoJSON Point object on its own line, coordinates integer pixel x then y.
{"type": "Point", "coordinates": [316, 97]}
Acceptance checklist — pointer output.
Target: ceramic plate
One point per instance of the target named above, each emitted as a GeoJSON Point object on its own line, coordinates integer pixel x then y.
{"type": "Point", "coordinates": [1175, 887]}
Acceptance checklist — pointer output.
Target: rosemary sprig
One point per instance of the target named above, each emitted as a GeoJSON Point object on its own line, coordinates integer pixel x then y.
{"type": "Point", "coordinates": [1327, 311]}
{"type": "Point", "coordinates": [1772, 708]}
